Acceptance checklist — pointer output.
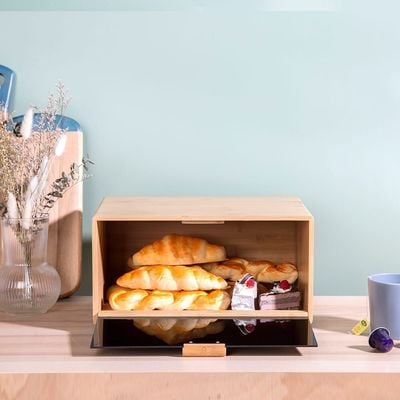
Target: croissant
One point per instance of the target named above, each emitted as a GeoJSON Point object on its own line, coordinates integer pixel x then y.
{"type": "Point", "coordinates": [137, 299]}
{"type": "Point", "coordinates": [171, 277]}
{"type": "Point", "coordinates": [177, 250]}
{"type": "Point", "coordinates": [264, 271]}
{"type": "Point", "coordinates": [175, 335]}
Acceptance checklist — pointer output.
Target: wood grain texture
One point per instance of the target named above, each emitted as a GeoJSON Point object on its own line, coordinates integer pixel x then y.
{"type": "Point", "coordinates": [204, 208]}
{"type": "Point", "coordinates": [107, 312]}
{"type": "Point", "coordinates": [203, 350]}
{"type": "Point", "coordinates": [98, 266]}
{"type": "Point", "coordinates": [223, 386]}
{"type": "Point", "coordinates": [58, 342]}
{"type": "Point", "coordinates": [65, 230]}
{"type": "Point", "coordinates": [305, 263]}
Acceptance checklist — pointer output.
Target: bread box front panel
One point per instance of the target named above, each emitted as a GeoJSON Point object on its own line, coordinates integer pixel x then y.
{"type": "Point", "coordinates": [167, 334]}
{"type": "Point", "coordinates": [276, 229]}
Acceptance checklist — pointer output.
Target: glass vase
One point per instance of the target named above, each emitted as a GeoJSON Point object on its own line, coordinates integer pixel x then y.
{"type": "Point", "coordinates": [28, 284]}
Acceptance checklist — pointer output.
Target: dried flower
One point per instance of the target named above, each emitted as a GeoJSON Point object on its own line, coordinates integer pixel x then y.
{"type": "Point", "coordinates": [26, 157]}
{"type": "Point", "coordinates": [3, 114]}
{"type": "Point", "coordinates": [43, 175]}
{"type": "Point", "coordinates": [12, 209]}
{"type": "Point", "coordinates": [26, 221]}
{"type": "Point", "coordinates": [33, 184]}
{"type": "Point", "coordinates": [27, 124]}
{"type": "Point", "coordinates": [44, 168]}
{"type": "Point", "coordinates": [60, 146]}
{"type": "Point", "coordinates": [61, 185]}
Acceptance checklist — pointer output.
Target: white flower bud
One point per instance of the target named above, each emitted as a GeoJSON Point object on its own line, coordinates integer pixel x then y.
{"type": "Point", "coordinates": [27, 123]}
{"type": "Point", "coordinates": [3, 114]}
{"type": "Point", "coordinates": [28, 193]}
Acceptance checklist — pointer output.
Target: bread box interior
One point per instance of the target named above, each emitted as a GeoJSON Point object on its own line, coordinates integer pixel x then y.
{"type": "Point", "coordinates": [272, 228]}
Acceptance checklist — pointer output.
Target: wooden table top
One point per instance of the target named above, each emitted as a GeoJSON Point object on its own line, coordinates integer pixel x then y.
{"type": "Point", "coordinates": [59, 341]}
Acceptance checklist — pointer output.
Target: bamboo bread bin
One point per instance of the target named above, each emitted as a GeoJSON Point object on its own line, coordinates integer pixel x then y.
{"type": "Point", "coordinates": [280, 229]}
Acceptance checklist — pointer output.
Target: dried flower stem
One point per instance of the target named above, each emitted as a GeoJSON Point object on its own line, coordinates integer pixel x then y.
{"type": "Point", "coordinates": [61, 185]}
{"type": "Point", "coordinates": [26, 154]}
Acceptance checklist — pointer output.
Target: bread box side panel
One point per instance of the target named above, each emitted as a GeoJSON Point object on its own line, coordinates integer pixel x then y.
{"type": "Point", "coordinates": [99, 249]}
{"type": "Point", "coordinates": [305, 263]}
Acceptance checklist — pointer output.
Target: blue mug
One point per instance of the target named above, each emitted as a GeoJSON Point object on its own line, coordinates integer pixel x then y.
{"type": "Point", "coordinates": [384, 302]}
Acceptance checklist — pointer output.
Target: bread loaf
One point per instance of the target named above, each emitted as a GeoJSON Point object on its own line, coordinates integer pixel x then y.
{"type": "Point", "coordinates": [264, 271]}
{"type": "Point", "coordinates": [171, 277]}
{"type": "Point", "coordinates": [177, 250]}
{"type": "Point", "coordinates": [137, 299]}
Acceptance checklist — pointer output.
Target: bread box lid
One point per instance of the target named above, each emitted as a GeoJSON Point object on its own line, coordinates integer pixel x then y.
{"type": "Point", "coordinates": [202, 208]}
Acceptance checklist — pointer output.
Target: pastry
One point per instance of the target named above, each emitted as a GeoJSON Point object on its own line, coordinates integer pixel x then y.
{"type": "Point", "coordinates": [177, 250]}
{"type": "Point", "coordinates": [229, 270]}
{"type": "Point", "coordinates": [171, 277]}
{"type": "Point", "coordinates": [256, 267]}
{"type": "Point", "coordinates": [137, 299]}
{"type": "Point", "coordinates": [175, 335]}
{"type": "Point", "coordinates": [264, 271]}
{"type": "Point", "coordinates": [284, 271]}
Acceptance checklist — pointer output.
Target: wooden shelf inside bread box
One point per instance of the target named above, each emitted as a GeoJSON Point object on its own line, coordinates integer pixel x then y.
{"type": "Point", "coordinates": [107, 312]}
{"type": "Point", "coordinates": [279, 229]}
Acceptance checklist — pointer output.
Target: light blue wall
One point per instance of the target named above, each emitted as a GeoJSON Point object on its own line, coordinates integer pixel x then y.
{"type": "Point", "coordinates": [240, 101]}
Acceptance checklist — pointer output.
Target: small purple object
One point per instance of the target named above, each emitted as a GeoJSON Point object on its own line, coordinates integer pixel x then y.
{"type": "Point", "coordinates": [380, 340]}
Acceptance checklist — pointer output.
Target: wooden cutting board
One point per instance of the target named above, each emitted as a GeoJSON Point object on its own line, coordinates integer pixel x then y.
{"type": "Point", "coordinates": [65, 228]}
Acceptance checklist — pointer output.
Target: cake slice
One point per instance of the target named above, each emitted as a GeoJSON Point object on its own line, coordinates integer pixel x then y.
{"type": "Point", "coordinates": [280, 301]}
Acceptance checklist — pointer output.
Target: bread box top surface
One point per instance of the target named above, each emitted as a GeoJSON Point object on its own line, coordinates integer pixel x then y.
{"type": "Point", "coordinates": [204, 208]}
